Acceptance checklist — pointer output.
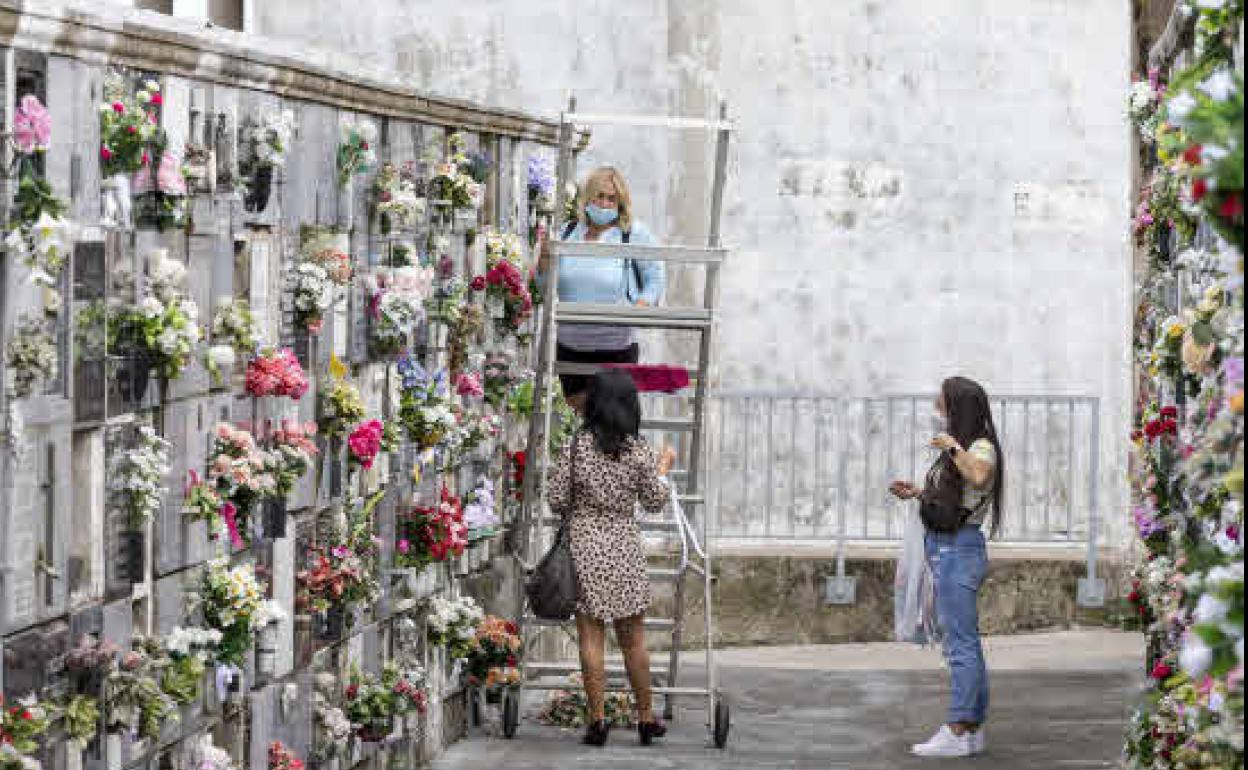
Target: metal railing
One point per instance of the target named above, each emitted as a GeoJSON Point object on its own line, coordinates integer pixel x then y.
{"type": "Point", "coordinates": [801, 467]}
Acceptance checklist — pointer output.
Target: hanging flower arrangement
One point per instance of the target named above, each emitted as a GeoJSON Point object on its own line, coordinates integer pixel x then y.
{"type": "Point", "coordinates": [323, 270]}
{"type": "Point", "coordinates": [395, 199]}
{"type": "Point", "coordinates": [128, 125]}
{"type": "Point", "coordinates": [396, 306]}
{"type": "Point", "coordinates": [276, 373]}
{"type": "Point", "coordinates": [233, 604]}
{"type": "Point", "coordinates": [356, 153]}
{"type": "Point", "coordinates": [431, 534]}
{"type": "Point", "coordinates": [31, 355]}
{"type": "Point", "coordinates": [426, 409]}
{"type": "Point", "coordinates": [22, 725]}
{"type": "Point", "coordinates": [295, 448]}
{"type": "Point", "coordinates": [453, 624]}
{"type": "Point", "coordinates": [137, 475]}
{"type": "Point", "coordinates": [494, 654]}
{"type": "Point", "coordinates": [242, 474]}
{"type": "Point", "coordinates": [164, 329]}
{"type": "Point", "coordinates": [369, 439]}
{"type": "Point", "coordinates": [460, 179]}
{"type": "Point", "coordinates": [339, 404]}
{"type": "Point", "coordinates": [505, 282]}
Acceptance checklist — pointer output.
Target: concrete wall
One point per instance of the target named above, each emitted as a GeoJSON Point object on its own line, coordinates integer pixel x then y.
{"type": "Point", "coordinates": [919, 187]}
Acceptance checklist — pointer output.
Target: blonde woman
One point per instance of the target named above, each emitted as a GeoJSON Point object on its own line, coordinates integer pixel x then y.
{"type": "Point", "coordinates": [604, 213]}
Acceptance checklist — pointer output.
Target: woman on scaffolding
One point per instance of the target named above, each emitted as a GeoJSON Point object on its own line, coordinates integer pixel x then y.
{"type": "Point", "coordinates": [604, 214]}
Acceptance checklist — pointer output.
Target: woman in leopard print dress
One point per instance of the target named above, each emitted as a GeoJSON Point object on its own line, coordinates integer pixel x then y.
{"type": "Point", "coordinates": [606, 469]}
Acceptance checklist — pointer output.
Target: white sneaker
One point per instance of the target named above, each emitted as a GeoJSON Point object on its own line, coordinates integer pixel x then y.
{"type": "Point", "coordinates": [978, 742]}
{"type": "Point", "coordinates": [945, 743]}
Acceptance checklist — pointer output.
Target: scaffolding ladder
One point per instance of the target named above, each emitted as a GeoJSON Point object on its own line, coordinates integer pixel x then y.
{"type": "Point", "coordinates": [683, 537]}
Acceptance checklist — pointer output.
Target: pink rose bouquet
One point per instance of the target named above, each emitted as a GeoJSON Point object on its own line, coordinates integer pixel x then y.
{"type": "Point", "coordinates": [276, 373]}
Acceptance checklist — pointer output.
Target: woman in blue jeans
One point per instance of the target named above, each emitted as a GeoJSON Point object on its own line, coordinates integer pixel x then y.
{"type": "Point", "coordinates": [958, 558]}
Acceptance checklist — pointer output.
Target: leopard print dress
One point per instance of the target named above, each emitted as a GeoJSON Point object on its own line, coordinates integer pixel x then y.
{"type": "Point", "coordinates": [603, 533]}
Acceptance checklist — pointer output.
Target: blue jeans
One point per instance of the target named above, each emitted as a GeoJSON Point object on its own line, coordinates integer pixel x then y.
{"type": "Point", "coordinates": [959, 561]}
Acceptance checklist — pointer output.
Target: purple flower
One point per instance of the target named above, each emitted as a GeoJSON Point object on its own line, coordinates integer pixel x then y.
{"type": "Point", "coordinates": [541, 175]}
{"type": "Point", "coordinates": [1233, 372]}
{"type": "Point", "coordinates": [413, 374]}
{"type": "Point", "coordinates": [1146, 525]}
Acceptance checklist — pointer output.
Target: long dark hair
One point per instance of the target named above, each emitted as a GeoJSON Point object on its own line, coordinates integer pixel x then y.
{"type": "Point", "coordinates": [612, 410]}
{"type": "Point", "coordinates": [970, 419]}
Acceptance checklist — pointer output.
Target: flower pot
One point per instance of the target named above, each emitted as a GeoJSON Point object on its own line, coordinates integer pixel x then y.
{"type": "Point", "coordinates": [275, 519]}
{"type": "Point", "coordinates": [332, 623]}
{"type": "Point", "coordinates": [115, 202]}
{"type": "Point", "coordinates": [259, 190]}
{"type": "Point", "coordinates": [131, 557]}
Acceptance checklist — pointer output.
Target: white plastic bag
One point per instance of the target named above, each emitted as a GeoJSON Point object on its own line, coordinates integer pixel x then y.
{"type": "Point", "coordinates": [914, 600]}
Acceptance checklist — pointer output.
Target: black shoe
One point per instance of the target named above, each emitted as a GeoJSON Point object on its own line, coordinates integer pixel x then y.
{"type": "Point", "coordinates": [648, 731]}
{"type": "Point", "coordinates": [596, 733]}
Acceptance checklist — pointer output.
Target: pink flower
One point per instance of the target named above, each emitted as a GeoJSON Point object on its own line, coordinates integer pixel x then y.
{"type": "Point", "coordinates": [157, 99]}
{"type": "Point", "coordinates": [469, 384]}
{"type": "Point", "coordinates": [32, 125]}
{"type": "Point", "coordinates": [276, 374]}
{"type": "Point", "coordinates": [105, 153]}
{"type": "Point", "coordinates": [404, 546]}
{"type": "Point", "coordinates": [230, 514]}
{"type": "Point", "coordinates": [119, 108]}
{"type": "Point", "coordinates": [365, 442]}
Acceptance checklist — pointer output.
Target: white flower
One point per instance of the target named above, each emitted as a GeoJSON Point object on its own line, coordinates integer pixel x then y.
{"type": "Point", "coordinates": [1195, 657]}
{"type": "Point", "coordinates": [222, 356]}
{"type": "Point", "coordinates": [368, 131]}
{"type": "Point", "coordinates": [151, 307]}
{"type": "Point", "coordinates": [1179, 107]}
{"type": "Point", "coordinates": [1210, 609]}
{"type": "Point", "coordinates": [1219, 85]}
{"type": "Point", "coordinates": [151, 85]}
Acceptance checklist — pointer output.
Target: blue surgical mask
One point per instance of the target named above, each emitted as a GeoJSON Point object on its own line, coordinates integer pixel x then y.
{"type": "Point", "coordinates": [600, 216]}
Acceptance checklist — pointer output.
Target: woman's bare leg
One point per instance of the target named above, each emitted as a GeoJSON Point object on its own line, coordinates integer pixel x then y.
{"type": "Point", "coordinates": [591, 637]}
{"type": "Point", "coordinates": [631, 636]}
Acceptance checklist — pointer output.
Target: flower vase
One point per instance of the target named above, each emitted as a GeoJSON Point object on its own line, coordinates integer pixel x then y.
{"type": "Point", "coordinates": [115, 205]}
{"type": "Point", "coordinates": [259, 190]}
{"type": "Point", "coordinates": [332, 623]}
{"type": "Point", "coordinates": [266, 652]}
{"type": "Point", "coordinates": [346, 204]}
{"type": "Point", "coordinates": [113, 751]}
{"type": "Point", "coordinates": [133, 375]}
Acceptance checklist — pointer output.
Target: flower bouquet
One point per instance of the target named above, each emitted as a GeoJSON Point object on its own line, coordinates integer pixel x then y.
{"type": "Point", "coordinates": [322, 271]}
{"type": "Point", "coordinates": [128, 124]}
{"type": "Point", "coordinates": [162, 331]}
{"type": "Point", "coordinates": [372, 703]}
{"type": "Point", "coordinates": [32, 355]}
{"type": "Point", "coordinates": [479, 515]}
{"type": "Point", "coordinates": [332, 729]}
{"type": "Point", "coordinates": [22, 724]}
{"type": "Point", "coordinates": [339, 405]}
{"type": "Point", "coordinates": [282, 758]}
{"type": "Point", "coordinates": [395, 199]}
{"type": "Point", "coordinates": [133, 696]}
{"type": "Point", "coordinates": [242, 474]}
{"type": "Point", "coordinates": [189, 649]}
{"type": "Point", "coordinates": [369, 439]}
{"type": "Point", "coordinates": [138, 476]}
{"type": "Point", "coordinates": [295, 449]}
{"type": "Point", "coordinates": [567, 708]}
{"type": "Point", "coordinates": [268, 141]}
{"type": "Point", "coordinates": [454, 181]}
{"type": "Point", "coordinates": [355, 149]}
{"type": "Point", "coordinates": [505, 283]}
{"type": "Point", "coordinates": [233, 604]}
{"type": "Point", "coordinates": [426, 409]}
{"type": "Point", "coordinates": [453, 624]}
{"type": "Point", "coordinates": [234, 324]}
{"type": "Point", "coordinates": [396, 305]}
{"type": "Point", "coordinates": [276, 373]}
{"type": "Point", "coordinates": [493, 655]}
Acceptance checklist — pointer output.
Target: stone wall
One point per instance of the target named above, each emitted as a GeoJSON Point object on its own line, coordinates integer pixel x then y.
{"type": "Point", "coordinates": [74, 561]}
{"type": "Point", "coordinates": [887, 230]}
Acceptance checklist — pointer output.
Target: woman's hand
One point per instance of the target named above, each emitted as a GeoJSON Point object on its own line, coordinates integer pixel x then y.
{"type": "Point", "coordinates": [666, 458]}
{"type": "Point", "coordinates": [945, 442]}
{"type": "Point", "coordinates": [904, 490]}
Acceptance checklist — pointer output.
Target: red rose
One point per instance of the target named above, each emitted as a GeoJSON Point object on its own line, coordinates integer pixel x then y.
{"type": "Point", "coordinates": [1191, 155]}
{"type": "Point", "coordinates": [352, 691]}
{"type": "Point", "coordinates": [511, 661]}
{"type": "Point", "coordinates": [131, 130]}
{"type": "Point", "coordinates": [511, 627]}
{"type": "Point", "coordinates": [26, 715]}
{"type": "Point", "coordinates": [157, 99]}
{"type": "Point", "coordinates": [1200, 188]}
{"type": "Point", "coordinates": [364, 146]}
{"type": "Point", "coordinates": [1136, 435]}
{"type": "Point", "coordinates": [478, 283]}
{"type": "Point", "coordinates": [1133, 597]}
{"type": "Point", "coordinates": [1143, 610]}
{"type": "Point", "coordinates": [1162, 671]}
{"type": "Point", "coordinates": [1170, 411]}
{"type": "Point", "coordinates": [1233, 206]}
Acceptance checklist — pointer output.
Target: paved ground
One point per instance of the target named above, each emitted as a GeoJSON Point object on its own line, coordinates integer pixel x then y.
{"type": "Point", "coordinates": [1059, 701]}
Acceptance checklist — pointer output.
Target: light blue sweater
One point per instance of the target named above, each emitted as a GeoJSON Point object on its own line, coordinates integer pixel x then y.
{"type": "Point", "coordinates": [607, 281]}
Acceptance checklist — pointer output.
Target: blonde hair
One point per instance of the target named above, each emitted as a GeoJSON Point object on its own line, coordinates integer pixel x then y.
{"type": "Point", "coordinates": [596, 179]}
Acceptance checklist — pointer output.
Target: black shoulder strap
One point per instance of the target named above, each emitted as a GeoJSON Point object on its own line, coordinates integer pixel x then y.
{"type": "Point", "coordinates": [568, 230]}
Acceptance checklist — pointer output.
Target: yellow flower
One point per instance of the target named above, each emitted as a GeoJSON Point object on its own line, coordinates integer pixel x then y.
{"type": "Point", "coordinates": [1177, 331]}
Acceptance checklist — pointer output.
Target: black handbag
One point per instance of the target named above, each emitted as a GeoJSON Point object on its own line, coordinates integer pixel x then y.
{"type": "Point", "coordinates": [940, 504]}
{"type": "Point", "coordinates": [551, 585]}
